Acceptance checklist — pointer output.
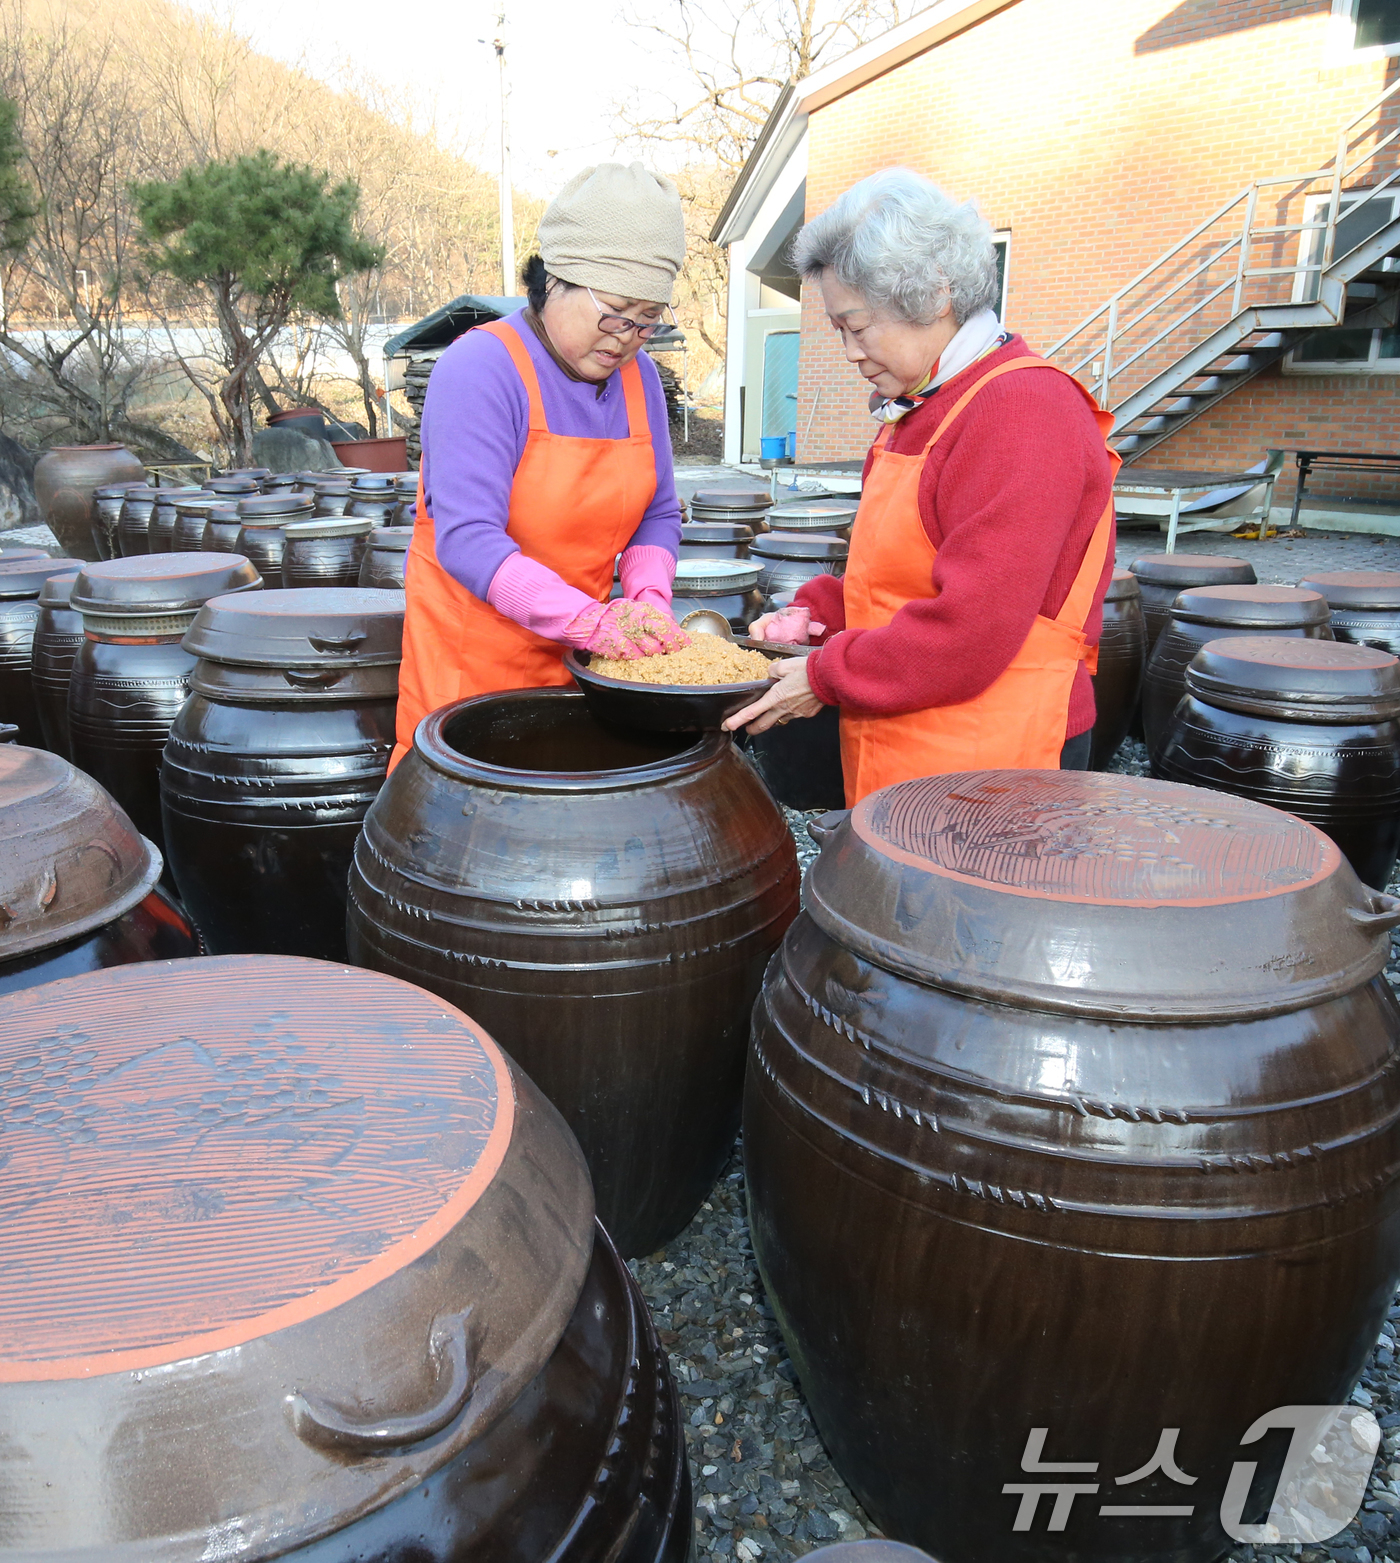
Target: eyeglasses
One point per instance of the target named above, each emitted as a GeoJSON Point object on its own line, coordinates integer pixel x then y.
{"type": "Point", "coordinates": [620, 325]}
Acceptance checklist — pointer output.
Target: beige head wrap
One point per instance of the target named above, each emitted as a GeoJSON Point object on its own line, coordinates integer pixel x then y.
{"type": "Point", "coordinates": [616, 227]}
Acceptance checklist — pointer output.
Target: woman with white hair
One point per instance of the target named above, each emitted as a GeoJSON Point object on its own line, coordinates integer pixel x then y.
{"type": "Point", "coordinates": [964, 631]}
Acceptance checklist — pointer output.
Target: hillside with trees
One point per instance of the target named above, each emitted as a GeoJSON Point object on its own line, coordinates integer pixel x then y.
{"type": "Point", "coordinates": [99, 337]}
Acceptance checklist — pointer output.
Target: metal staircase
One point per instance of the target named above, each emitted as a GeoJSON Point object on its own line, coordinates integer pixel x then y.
{"type": "Point", "coordinates": [1228, 300]}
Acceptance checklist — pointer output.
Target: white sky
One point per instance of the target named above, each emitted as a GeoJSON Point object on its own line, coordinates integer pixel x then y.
{"type": "Point", "coordinates": [569, 63]}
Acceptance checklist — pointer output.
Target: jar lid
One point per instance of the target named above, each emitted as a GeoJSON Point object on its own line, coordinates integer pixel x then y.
{"type": "Point", "coordinates": [8, 554]}
{"type": "Point", "coordinates": [256, 473]}
{"type": "Point", "coordinates": [799, 545]}
{"type": "Point", "coordinates": [350, 526]}
{"type": "Point", "coordinates": [699, 575]}
{"type": "Point", "coordinates": [199, 504]}
{"type": "Point", "coordinates": [810, 518]}
{"type": "Point", "coordinates": [276, 480]}
{"type": "Point", "coordinates": [23, 577]}
{"type": "Point", "coordinates": [307, 626]}
{"type": "Point", "coordinates": [1193, 570]}
{"type": "Point", "coordinates": [57, 591]}
{"type": "Point", "coordinates": [406, 484]}
{"type": "Point", "coordinates": [337, 485]}
{"type": "Point", "coordinates": [155, 584]}
{"type": "Point", "coordinates": [1122, 587]}
{"type": "Point", "coordinates": [169, 494]}
{"type": "Point", "coordinates": [1297, 679]}
{"type": "Point", "coordinates": [292, 1197]}
{"type": "Point", "coordinates": [1259, 607]}
{"type": "Point", "coordinates": [395, 538]}
{"type": "Point", "coordinates": [113, 490]}
{"type": "Point", "coordinates": [1357, 588]}
{"type": "Point", "coordinates": [715, 532]}
{"type": "Point", "coordinates": [1082, 892]}
{"type": "Point", "coordinates": [374, 483]}
{"type": "Point", "coordinates": [268, 507]}
{"type": "Point", "coordinates": [732, 497]}
{"type": "Point", "coordinates": [140, 491]}
{"type": "Point", "coordinates": [70, 859]}
{"type": "Point", "coordinates": [233, 485]}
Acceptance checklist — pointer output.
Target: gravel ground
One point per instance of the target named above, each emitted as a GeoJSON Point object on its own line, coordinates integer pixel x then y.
{"type": "Point", "coordinates": [764, 1485]}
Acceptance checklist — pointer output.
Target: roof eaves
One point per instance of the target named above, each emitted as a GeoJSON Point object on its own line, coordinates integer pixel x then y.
{"type": "Point", "coordinates": [778, 116]}
{"type": "Point", "coordinates": [922, 32]}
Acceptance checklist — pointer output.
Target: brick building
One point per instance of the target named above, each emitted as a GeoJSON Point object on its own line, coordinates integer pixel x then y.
{"type": "Point", "coordinates": [1195, 141]}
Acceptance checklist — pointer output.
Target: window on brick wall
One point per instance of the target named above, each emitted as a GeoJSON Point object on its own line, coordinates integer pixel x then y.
{"type": "Point", "coordinates": [1003, 246]}
{"type": "Point", "coordinates": [1367, 24]}
{"type": "Point", "coordinates": [1367, 341]}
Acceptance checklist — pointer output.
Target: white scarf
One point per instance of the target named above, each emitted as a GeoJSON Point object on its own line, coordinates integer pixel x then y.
{"type": "Point", "coordinates": [978, 335]}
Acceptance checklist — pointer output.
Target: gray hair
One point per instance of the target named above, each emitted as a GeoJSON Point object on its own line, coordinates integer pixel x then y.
{"type": "Point", "coordinates": [905, 247]}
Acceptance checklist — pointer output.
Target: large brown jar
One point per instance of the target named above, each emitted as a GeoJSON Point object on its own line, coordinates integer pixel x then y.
{"type": "Point", "coordinates": [64, 480]}
{"type": "Point", "coordinates": [1309, 726]}
{"type": "Point", "coordinates": [20, 584]}
{"type": "Point", "coordinates": [272, 761]}
{"type": "Point", "coordinates": [386, 557]}
{"type": "Point", "coordinates": [130, 676]}
{"type": "Point", "coordinates": [192, 517]}
{"type": "Point", "coordinates": [606, 902]}
{"type": "Point", "coordinates": [58, 633]}
{"type": "Point", "coordinates": [1163, 576]}
{"type": "Point", "coordinates": [263, 538]}
{"type": "Point", "coordinates": [1072, 1117]}
{"type": "Point", "coordinates": [1122, 656]}
{"type": "Point", "coordinates": [406, 497]}
{"type": "Point", "coordinates": [1208, 613]}
{"type": "Point", "coordinates": [328, 552]}
{"type": "Point", "coordinates": [294, 1255]}
{"type": "Point", "coordinates": [332, 495]}
{"type": "Point", "coordinates": [222, 524]}
{"type": "Point", "coordinates": [1365, 606]}
{"type": "Point", "coordinates": [77, 883]}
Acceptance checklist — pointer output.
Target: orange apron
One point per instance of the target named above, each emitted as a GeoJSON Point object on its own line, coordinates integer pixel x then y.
{"type": "Point", "coordinates": [1019, 721]}
{"type": "Point", "coordinates": [574, 506]}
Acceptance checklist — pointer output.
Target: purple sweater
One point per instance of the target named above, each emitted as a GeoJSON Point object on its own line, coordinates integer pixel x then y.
{"type": "Point", "coordinates": [475, 421]}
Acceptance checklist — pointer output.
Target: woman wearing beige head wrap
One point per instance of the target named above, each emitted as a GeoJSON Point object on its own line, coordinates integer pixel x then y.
{"type": "Point", "coordinates": [546, 454]}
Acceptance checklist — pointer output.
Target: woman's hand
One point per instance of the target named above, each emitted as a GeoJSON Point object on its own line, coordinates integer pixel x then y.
{"type": "Point", "coordinates": [790, 626]}
{"type": "Point", "coordinates": [789, 695]}
{"type": "Point", "coordinates": [627, 630]}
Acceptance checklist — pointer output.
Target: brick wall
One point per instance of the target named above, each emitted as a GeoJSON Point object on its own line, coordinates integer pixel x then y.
{"type": "Point", "coordinates": [1098, 136]}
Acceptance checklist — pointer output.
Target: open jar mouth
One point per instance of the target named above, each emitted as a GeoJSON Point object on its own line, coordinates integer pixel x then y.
{"type": "Point", "coordinates": [547, 740]}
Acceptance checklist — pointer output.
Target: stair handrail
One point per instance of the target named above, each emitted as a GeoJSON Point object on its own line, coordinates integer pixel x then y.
{"type": "Point", "coordinates": [1337, 172]}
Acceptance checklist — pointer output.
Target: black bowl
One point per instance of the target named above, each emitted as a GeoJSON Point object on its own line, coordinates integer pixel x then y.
{"type": "Point", "coordinates": [664, 708]}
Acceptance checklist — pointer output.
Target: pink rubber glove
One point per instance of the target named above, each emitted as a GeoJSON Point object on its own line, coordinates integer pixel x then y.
{"type": "Point", "coordinates": [791, 626]}
{"type": "Point", "coordinates": [625, 629]}
{"type": "Point", "coordinates": [646, 572]}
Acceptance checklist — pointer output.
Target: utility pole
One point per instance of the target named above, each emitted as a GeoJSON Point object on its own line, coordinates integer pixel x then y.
{"type": "Point", "coordinates": [507, 212]}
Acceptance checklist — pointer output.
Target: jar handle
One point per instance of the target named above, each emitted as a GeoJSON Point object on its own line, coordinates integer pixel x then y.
{"type": "Point", "coordinates": [1382, 913]}
{"type": "Point", "coordinates": [318, 1422]}
{"type": "Point", "coordinates": [825, 824]}
{"type": "Point", "coordinates": [350, 642]}
{"type": "Point", "coordinates": [300, 680]}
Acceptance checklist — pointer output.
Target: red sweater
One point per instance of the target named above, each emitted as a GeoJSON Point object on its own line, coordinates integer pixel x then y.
{"type": "Point", "coordinates": [1009, 497]}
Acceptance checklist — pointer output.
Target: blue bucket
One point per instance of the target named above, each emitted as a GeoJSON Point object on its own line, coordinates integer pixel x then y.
{"type": "Point", "coordinates": [772, 447]}
{"type": "Point", "coordinates": [792, 445]}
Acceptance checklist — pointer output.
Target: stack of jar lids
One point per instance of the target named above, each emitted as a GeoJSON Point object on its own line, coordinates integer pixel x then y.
{"type": "Point", "coordinates": [697, 576]}
{"type": "Point", "coordinates": [1253, 607]}
{"type": "Point", "coordinates": [731, 502]}
{"type": "Point", "coordinates": [70, 859]}
{"type": "Point", "coordinates": [21, 578]}
{"type": "Point", "coordinates": [831, 516]}
{"type": "Point", "coordinates": [313, 636]}
{"type": "Point", "coordinates": [157, 594]}
{"type": "Point", "coordinates": [1297, 680]}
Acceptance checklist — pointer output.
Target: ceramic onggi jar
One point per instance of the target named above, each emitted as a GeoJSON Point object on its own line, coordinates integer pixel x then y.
{"type": "Point", "coordinates": [1072, 1117]}
{"type": "Point", "coordinates": [299, 1264]}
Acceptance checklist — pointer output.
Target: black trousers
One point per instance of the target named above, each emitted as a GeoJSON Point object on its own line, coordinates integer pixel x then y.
{"type": "Point", "coordinates": [1075, 754]}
